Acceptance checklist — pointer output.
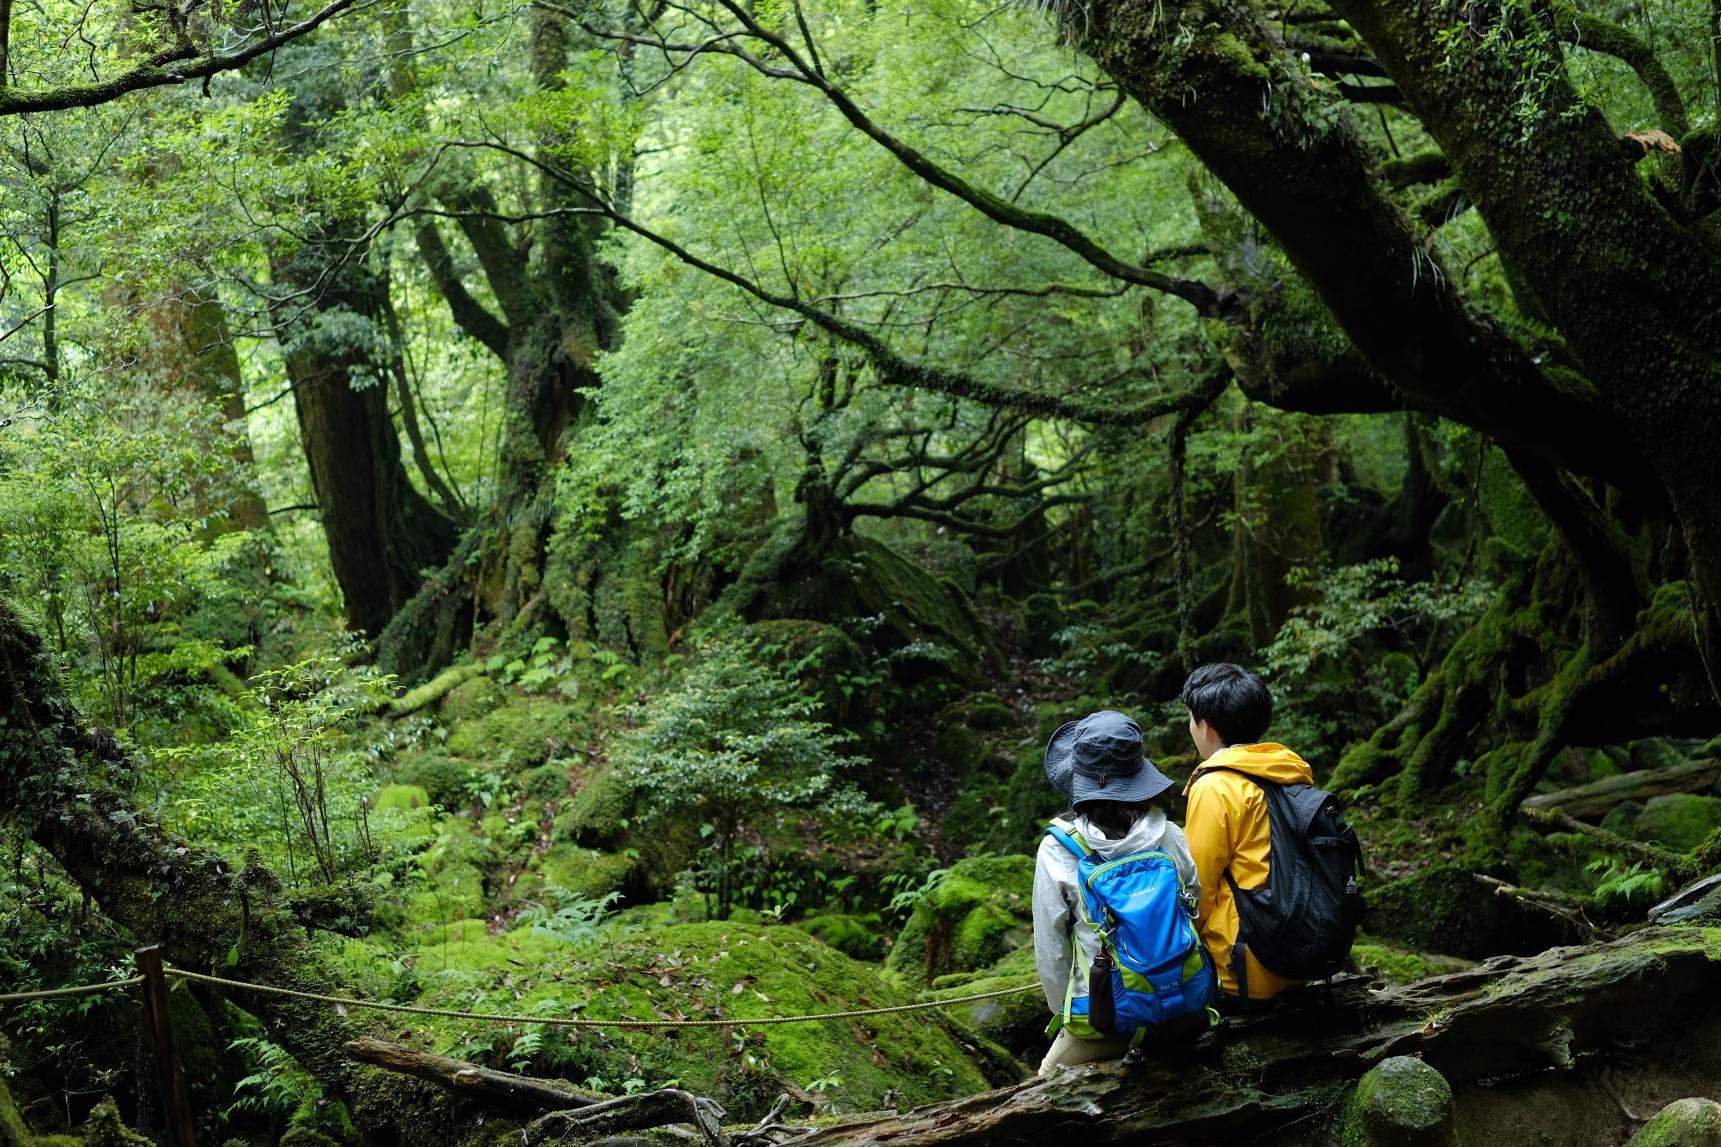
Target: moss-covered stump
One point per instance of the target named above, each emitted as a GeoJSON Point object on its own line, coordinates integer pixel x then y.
{"type": "Point", "coordinates": [697, 971]}
{"type": "Point", "coordinates": [977, 914]}
{"type": "Point", "coordinates": [1017, 1022]}
{"type": "Point", "coordinates": [1682, 1123]}
{"type": "Point", "coordinates": [1400, 1102]}
{"type": "Point", "coordinates": [584, 871]}
{"type": "Point", "coordinates": [1679, 821]}
{"type": "Point", "coordinates": [1444, 909]}
{"type": "Point", "coordinates": [927, 623]}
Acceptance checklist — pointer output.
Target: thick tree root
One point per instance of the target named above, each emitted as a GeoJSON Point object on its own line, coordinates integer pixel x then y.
{"type": "Point", "coordinates": [632, 1113]}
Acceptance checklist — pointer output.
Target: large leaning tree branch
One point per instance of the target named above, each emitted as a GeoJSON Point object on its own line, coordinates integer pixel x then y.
{"type": "Point", "coordinates": [176, 64]}
{"type": "Point", "coordinates": [1208, 302]}
{"type": "Point", "coordinates": [891, 367]}
{"type": "Point", "coordinates": [1221, 79]}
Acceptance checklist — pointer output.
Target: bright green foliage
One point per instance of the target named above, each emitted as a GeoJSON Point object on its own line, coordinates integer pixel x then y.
{"type": "Point", "coordinates": [734, 745]}
{"type": "Point", "coordinates": [106, 507]}
{"type": "Point", "coordinates": [289, 780]}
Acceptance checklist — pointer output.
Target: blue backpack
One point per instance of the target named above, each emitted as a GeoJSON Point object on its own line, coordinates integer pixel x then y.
{"type": "Point", "coordinates": [1152, 969]}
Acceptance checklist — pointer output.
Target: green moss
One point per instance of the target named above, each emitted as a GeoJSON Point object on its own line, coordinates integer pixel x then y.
{"type": "Point", "coordinates": [1400, 965]}
{"type": "Point", "coordinates": [1679, 821]}
{"type": "Point", "coordinates": [1443, 909]}
{"type": "Point", "coordinates": [472, 699]}
{"type": "Point", "coordinates": [439, 686]}
{"type": "Point", "coordinates": [402, 796]}
{"type": "Point", "coordinates": [1400, 1102]}
{"type": "Point", "coordinates": [1694, 1122]}
{"type": "Point", "coordinates": [104, 1128]}
{"type": "Point", "coordinates": [596, 815]}
{"type": "Point", "coordinates": [1016, 1022]}
{"type": "Point", "coordinates": [584, 871]}
{"type": "Point", "coordinates": [546, 782]}
{"type": "Point", "coordinates": [977, 914]}
{"type": "Point", "coordinates": [850, 935]}
{"type": "Point", "coordinates": [524, 732]}
{"type": "Point", "coordinates": [712, 970]}
{"type": "Point", "coordinates": [440, 776]}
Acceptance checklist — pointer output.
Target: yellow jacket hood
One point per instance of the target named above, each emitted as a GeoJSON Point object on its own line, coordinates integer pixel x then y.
{"type": "Point", "coordinates": [1270, 762]}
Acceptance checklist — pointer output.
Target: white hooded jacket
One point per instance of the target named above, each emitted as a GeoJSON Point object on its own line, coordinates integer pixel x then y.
{"type": "Point", "coordinates": [1059, 907]}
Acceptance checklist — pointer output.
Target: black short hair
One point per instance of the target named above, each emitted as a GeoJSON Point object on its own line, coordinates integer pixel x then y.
{"type": "Point", "coordinates": [1114, 818]}
{"type": "Point", "coordinates": [1231, 699]}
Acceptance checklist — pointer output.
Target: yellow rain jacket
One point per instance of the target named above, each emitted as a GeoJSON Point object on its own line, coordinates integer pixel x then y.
{"type": "Point", "coordinates": [1227, 828]}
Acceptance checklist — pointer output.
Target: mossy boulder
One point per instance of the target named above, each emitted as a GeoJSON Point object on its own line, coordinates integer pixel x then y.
{"type": "Point", "coordinates": [1682, 1123]}
{"type": "Point", "coordinates": [716, 970]}
{"type": "Point", "coordinates": [1443, 909]}
{"type": "Point", "coordinates": [597, 814]}
{"type": "Point", "coordinates": [1679, 821]}
{"type": "Point", "coordinates": [1622, 818]}
{"type": "Point", "coordinates": [851, 935]}
{"type": "Point", "coordinates": [525, 732]}
{"type": "Point", "coordinates": [1015, 1022]}
{"type": "Point", "coordinates": [977, 914]}
{"type": "Point", "coordinates": [1400, 1102]}
{"type": "Point", "coordinates": [472, 699]}
{"type": "Point", "coordinates": [441, 777]}
{"type": "Point", "coordinates": [547, 781]}
{"type": "Point", "coordinates": [584, 871]}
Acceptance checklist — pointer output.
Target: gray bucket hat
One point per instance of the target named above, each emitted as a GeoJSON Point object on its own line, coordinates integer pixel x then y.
{"type": "Point", "coordinates": [1099, 758]}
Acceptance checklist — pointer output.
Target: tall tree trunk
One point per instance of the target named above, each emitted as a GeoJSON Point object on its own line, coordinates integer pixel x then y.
{"type": "Point", "coordinates": [382, 533]}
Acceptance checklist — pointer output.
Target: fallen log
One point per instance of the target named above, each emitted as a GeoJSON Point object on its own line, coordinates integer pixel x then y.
{"type": "Point", "coordinates": [570, 1112]}
{"type": "Point", "coordinates": [1598, 798]}
{"type": "Point", "coordinates": [468, 1080]}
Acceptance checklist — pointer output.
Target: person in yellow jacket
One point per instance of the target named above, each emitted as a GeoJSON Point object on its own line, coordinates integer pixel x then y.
{"type": "Point", "coordinates": [1226, 820]}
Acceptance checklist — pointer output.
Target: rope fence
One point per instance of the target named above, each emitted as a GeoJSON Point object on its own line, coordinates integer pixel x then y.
{"type": "Point", "coordinates": [153, 974]}
{"type": "Point", "coordinates": [80, 990]}
{"type": "Point", "coordinates": [575, 1022]}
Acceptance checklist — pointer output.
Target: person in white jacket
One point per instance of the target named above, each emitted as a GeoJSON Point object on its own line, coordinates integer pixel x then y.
{"type": "Point", "coordinates": [1098, 764]}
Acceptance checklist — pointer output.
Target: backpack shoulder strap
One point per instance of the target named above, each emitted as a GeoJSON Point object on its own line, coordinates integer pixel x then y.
{"type": "Point", "coordinates": [1065, 834]}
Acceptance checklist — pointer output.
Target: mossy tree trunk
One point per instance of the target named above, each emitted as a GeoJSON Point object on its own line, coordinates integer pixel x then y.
{"type": "Point", "coordinates": [1632, 285]}
{"type": "Point", "coordinates": [382, 533]}
{"type": "Point", "coordinates": [560, 308]}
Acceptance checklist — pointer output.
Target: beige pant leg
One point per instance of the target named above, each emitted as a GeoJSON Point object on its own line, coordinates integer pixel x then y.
{"type": "Point", "coordinates": [1068, 1050]}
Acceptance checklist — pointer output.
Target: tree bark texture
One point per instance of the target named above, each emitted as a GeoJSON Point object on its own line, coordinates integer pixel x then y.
{"type": "Point", "coordinates": [382, 533]}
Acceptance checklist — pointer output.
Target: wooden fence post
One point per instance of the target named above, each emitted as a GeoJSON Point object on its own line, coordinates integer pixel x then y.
{"type": "Point", "coordinates": [175, 1100]}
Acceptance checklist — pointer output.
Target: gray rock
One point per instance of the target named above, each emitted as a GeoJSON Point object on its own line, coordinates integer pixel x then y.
{"type": "Point", "coordinates": [1691, 902]}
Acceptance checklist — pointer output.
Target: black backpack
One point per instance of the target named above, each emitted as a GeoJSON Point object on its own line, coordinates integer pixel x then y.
{"type": "Point", "coordinates": [1302, 922]}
